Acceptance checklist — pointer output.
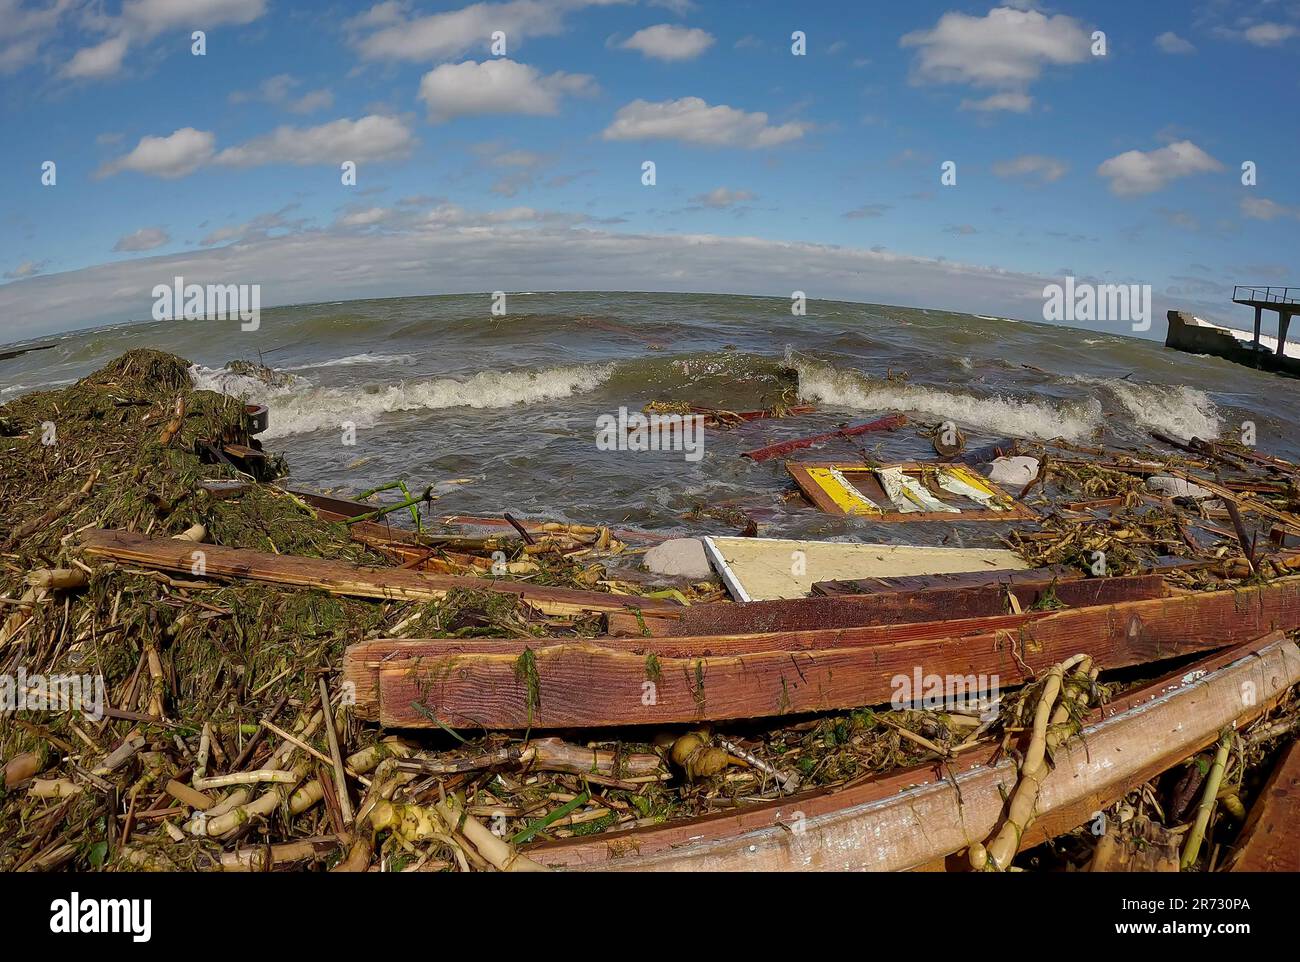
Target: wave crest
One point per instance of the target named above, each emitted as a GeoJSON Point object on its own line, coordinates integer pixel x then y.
{"type": "Point", "coordinates": [300, 408]}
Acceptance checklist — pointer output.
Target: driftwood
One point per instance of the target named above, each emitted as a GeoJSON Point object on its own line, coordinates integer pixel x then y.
{"type": "Point", "coordinates": [561, 683]}
{"type": "Point", "coordinates": [889, 423]}
{"type": "Point", "coordinates": [917, 817]}
{"type": "Point", "coordinates": [337, 577]}
{"type": "Point", "coordinates": [543, 754]}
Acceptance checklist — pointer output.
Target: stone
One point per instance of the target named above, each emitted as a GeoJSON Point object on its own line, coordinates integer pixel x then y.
{"type": "Point", "coordinates": [681, 558]}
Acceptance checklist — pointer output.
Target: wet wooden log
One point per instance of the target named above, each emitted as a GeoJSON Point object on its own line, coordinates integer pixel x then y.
{"type": "Point", "coordinates": [915, 818]}
{"type": "Point", "coordinates": [341, 578]}
{"type": "Point", "coordinates": [569, 684]}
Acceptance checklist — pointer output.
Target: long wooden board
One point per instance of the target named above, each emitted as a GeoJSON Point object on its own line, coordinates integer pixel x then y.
{"type": "Point", "coordinates": [341, 578]}
{"type": "Point", "coordinates": [573, 685]}
{"type": "Point", "coordinates": [912, 818]}
{"type": "Point", "coordinates": [886, 608]}
{"type": "Point", "coordinates": [362, 661]}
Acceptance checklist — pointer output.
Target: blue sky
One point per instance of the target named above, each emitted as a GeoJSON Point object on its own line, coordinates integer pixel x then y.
{"type": "Point", "coordinates": [774, 171]}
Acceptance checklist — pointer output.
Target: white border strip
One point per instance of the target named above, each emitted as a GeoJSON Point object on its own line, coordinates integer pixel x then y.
{"type": "Point", "coordinates": [723, 569]}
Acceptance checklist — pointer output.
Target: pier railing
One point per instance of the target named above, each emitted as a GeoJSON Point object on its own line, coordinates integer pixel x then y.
{"type": "Point", "coordinates": [1266, 295]}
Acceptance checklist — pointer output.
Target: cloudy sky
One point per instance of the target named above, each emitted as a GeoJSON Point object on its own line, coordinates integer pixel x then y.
{"type": "Point", "coordinates": [480, 169]}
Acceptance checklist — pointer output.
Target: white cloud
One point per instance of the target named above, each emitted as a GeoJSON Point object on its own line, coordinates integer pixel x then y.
{"type": "Point", "coordinates": [280, 91]}
{"type": "Point", "coordinates": [26, 28]}
{"type": "Point", "coordinates": [1004, 48]}
{"type": "Point", "coordinates": [1261, 208]}
{"type": "Point", "coordinates": [386, 32]}
{"type": "Point", "coordinates": [145, 239]}
{"type": "Point", "coordinates": [1136, 172]}
{"type": "Point", "coordinates": [664, 41]}
{"type": "Point", "coordinates": [1047, 169]}
{"type": "Point", "coordinates": [365, 218]}
{"type": "Point", "coordinates": [722, 197]}
{"type": "Point", "coordinates": [142, 20]}
{"type": "Point", "coordinates": [1011, 100]}
{"type": "Point", "coordinates": [152, 17]}
{"type": "Point", "coordinates": [1270, 34]}
{"type": "Point", "coordinates": [370, 138]}
{"type": "Point", "coordinates": [1170, 42]}
{"type": "Point", "coordinates": [693, 121]}
{"type": "Point", "coordinates": [499, 86]}
{"type": "Point", "coordinates": [255, 229]}
{"type": "Point", "coordinates": [101, 60]}
{"type": "Point", "coordinates": [179, 153]}
{"type": "Point", "coordinates": [26, 269]}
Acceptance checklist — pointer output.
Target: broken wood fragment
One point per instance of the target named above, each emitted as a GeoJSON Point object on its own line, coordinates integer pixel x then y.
{"type": "Point", "coordinates": [1270, 839]}
{"type": "Point", "coordinates": [342, 578]}
{"type": "Point", "coordinates": [889, 423]}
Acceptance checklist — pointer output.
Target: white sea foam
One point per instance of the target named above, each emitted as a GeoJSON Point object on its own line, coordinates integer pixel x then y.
{"type": "Point", "coordinates": [994, 414]}
{"type": "Point", "coordinates": [300, 407]}
{"type": "Point", "coordinates": [352, 359]}
{"type": "Point", "coordinates": [1171, 408]}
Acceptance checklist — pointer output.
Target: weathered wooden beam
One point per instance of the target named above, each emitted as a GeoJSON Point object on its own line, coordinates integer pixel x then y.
{"type": "Point", "coordinates": [886, 608]}
{"type": "Point", "coordinates": [362, 661]}
{"type": "Point", "coordinates": [913, 818]}
{"type": "Point", "coordinates": [575, 684]}
{"type": "Point", "coordinates": [1270, 839]}
{"type": "Point", "coordinates": [338, 577]}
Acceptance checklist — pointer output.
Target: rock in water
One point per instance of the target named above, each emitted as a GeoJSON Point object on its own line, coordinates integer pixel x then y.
{"type": "Point", "coordinates": [681, 557]}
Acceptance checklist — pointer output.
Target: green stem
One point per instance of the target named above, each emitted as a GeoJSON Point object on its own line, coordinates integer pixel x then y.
{"type": "Point", "coordinates": [1208, 798]}
{"type": "Point", "coordinates": [552, 817]}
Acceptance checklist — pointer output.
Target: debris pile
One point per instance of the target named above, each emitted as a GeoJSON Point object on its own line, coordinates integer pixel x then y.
{"type": "Point", "coordinates": [204, 669]}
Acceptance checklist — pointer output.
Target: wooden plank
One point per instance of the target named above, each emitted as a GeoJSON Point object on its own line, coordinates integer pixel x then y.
{"type": "Point", "coordinates": [1270, 839]}
{"type": "Point", "coordinates": [893, 608]}
{"type": "Point", "coordinates": [362, 661]}
{"type": "Point", "coordinates": [889, 423]}
{"type": "Point", "coordinates": [952, 580]}
{"type": "Point", "coordinates": [578, 685]}
{"type": "Point", "coordinates": [341, 578]}
{"type": "Point", "coordinates": [824, 812]}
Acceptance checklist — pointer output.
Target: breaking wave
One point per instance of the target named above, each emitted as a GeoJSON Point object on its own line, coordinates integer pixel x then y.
{"type": "Point", "coordinates": [994, 414]}
{"type": "Point", "coordinates": [1171, 408]}
{"type": "Point", "coordinates": [299, 408]}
